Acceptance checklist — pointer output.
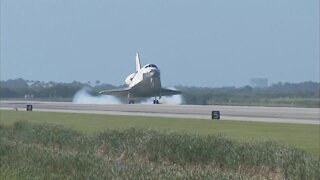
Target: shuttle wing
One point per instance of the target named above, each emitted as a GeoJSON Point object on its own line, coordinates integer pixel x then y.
{"type": "Point", "coordinates": [169, 92]}
{"type": "Point", "coordinates": [116, 92]}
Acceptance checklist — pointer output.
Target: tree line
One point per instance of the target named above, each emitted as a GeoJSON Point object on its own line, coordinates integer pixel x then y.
{"type": "Point", "coordinates": [304, 94]}
{"type": "Point", "coordinates": [281, 94]}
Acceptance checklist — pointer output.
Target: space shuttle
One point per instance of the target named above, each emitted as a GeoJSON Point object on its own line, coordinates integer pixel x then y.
{"type": "Point", "coordinates": [144, 83]}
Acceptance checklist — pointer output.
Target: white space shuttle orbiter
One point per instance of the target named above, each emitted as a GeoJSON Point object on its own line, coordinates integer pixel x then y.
{"type": "Point", "coordinates": [145, 82]}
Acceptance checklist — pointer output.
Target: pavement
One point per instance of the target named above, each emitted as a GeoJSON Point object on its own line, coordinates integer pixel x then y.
{"type": "Point", "coordinates": [238, 113]}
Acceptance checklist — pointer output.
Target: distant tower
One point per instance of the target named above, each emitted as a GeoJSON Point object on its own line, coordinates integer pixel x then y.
{"type": "Point", "coordinates": [259, 82]}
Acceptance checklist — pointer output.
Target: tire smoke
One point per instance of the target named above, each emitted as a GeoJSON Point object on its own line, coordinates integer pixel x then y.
{"type": "Point", "coordinates": [174, 100]}
{"type": "Point", "coordinates": [84, 97]}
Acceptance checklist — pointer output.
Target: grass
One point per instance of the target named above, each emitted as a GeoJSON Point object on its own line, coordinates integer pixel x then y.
{"type": "Point", "coordinates": [306, 137]}
{"type": "Point", "coordinates": [46, 151]}
{"type": "Point", "coordinates": [272, 102]}
{"type": "Point", "coordinates": [296, 102]}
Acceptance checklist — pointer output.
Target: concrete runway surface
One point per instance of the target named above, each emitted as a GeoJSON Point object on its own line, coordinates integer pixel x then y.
{"type": "Point", "coordinates": [239, 113]}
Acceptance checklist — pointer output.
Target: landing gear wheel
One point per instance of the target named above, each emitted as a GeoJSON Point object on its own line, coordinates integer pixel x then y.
{"type": "Point", "coordinates": [131, 101]}
{"type": "Point", "coordinates": [155, 101]}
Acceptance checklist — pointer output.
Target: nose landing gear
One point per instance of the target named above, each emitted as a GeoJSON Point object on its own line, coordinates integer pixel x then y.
{"type": "Point", "coordinates": [131, 101]}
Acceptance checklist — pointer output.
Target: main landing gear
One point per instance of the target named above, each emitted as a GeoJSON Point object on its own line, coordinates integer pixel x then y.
{"type": "Point", "coordinates": [155, 101]}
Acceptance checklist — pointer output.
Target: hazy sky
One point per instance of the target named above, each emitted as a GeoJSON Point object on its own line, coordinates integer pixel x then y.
{"type": "Point", "coordinates": [194, 42]}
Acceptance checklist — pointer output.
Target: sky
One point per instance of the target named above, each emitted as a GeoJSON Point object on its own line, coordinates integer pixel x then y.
{"type": "Point", "coordinates": [207, 43]}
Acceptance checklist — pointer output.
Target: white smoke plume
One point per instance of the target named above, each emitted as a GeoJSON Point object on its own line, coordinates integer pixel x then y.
{"type": "Point", "coordinates": [174, 100]}
{"type": "Point", "coordinates": [84, 97]}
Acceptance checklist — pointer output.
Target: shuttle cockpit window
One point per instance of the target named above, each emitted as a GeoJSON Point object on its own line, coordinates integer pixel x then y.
{"type": "Point", "coordinates": [151, 65]}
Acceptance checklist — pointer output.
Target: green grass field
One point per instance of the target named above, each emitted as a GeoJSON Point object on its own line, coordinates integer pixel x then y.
{"type": "Point", "coordinates": [306, 137]}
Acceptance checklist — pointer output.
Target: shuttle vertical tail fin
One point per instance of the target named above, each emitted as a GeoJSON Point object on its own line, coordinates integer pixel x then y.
{"type": "Point", "coordinates": [138, 65]}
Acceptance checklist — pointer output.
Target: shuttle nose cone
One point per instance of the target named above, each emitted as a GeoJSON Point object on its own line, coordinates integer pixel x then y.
{"type": "Point", "coordinates": [154, 72]}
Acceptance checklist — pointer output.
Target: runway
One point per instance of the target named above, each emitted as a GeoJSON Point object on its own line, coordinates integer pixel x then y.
{"type": "Point", "coordinates": [239, 113]}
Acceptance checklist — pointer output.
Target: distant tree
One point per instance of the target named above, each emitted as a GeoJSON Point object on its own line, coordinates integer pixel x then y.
{"type": "Point", "coordinates": [307, 93]}
{"type": "Point", "coordinates": [14, 83]}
